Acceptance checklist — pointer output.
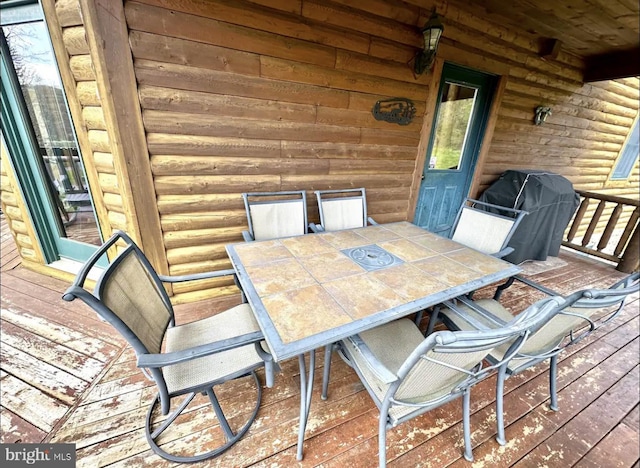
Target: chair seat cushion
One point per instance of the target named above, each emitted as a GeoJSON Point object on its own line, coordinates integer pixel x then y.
{"type": "Point", "coordinates": [217, 367]}
{"type": "Point", "coordinates": [544, 340]}
{"type": "Point", "coordinates": [391, 343]}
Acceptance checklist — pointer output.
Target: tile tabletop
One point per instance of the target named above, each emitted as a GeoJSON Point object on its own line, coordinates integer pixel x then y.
{"type": "Point", "coordinates": [311, 290]}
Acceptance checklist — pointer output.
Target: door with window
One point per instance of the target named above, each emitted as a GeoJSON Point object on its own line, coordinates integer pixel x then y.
{"type": "Point", "coordinates": [39, 136]}
{"type": "Point", "coordinates": [464, 98]}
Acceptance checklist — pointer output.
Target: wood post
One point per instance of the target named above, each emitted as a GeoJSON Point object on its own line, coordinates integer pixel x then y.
{"type": "Point", "coordinates": [630, 261]}
{"type": "Point", "coordinates": [108, 39]}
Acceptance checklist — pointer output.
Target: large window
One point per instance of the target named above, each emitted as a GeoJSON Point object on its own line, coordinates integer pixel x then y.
{"type": "Point", "coordinates": [40, 137]}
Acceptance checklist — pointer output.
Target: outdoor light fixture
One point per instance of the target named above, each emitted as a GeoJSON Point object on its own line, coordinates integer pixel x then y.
{"type": "Point", "coordinates": [541, 115]}
{"type": "Point", "coordinates": [431, 33]}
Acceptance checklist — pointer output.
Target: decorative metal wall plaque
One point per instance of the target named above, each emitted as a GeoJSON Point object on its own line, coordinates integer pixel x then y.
{"type": "Point", "coordinates": [372, 257]}
{"type": "Point", "coordinates": [395, 110]}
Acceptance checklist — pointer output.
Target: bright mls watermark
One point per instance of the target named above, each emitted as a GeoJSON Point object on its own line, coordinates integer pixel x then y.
{"type": "Point", "coordinates": [38, 455]}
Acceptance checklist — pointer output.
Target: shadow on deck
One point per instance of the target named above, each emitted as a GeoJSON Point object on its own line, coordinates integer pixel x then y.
{"type": "Point", "coordinates": [65, 377]}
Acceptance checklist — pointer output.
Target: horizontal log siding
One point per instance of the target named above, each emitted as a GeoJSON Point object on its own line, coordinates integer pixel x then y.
{"type": "Point", "coordinates": [92, 128]}
{"type": "Point", "coordinates": [240, 97]}
{"type": "Point", "coordinates": [14, 208]}
{"type": "Point", "coordinates": [269, 95]}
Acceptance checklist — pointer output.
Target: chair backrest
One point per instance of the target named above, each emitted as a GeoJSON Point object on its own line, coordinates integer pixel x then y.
{"type": "Point", "coordinates": [342, 209]}
{"type": "Point", "coordinates": [129, 295]}
{"type": "Point", "coordinates": [446, 362]}
{"type": "Point", "coordinates": [276, 214]}
{"type": "Point", "coordinates": [590, 307]}
{"type": "Point", "coordinates": [487, 231]}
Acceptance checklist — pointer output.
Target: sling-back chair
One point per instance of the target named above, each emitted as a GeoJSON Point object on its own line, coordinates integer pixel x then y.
{"type": "Point", "coordinates": [582, 313]}
{"type": "Point", "coordinates": [341, 209]}
{"type": "Point", "coordinates": [181, 359]}
{"type": "Point", "coordinates": [486, 227]}
{"type": "Point", "coordinates": [407, 374]}
{"type": "Point", "coordinates": [275, 214]}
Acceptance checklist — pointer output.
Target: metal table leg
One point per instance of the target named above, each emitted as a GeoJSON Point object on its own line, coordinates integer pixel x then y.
{"type": "Point", "coordinates": [306, 388]}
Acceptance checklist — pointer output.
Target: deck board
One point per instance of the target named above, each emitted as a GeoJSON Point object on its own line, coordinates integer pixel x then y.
{"type": "Point", "coordinates": [66, 377]}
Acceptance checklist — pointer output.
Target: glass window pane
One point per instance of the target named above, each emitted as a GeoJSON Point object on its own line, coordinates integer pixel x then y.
{"type": "Point", "coordinates": [42, 90]}
{"type": "Point", "coordinates": [629, 155]}
{"type": "Point", "coordinates": [452, 126]}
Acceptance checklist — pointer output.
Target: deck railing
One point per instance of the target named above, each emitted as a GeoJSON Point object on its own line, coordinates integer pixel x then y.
{"type": "Point", "coordinates": [627, 248]}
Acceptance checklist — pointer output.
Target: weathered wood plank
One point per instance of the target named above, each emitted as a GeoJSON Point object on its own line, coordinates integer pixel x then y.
{"type": "Point", "coordinates": [86, 323]}
{"type": "Point", "coordinates": [165, 99]}
{"type": "Point", "coordinates": [571, 442]}
{"type": "Point", "coordinates": [45, 377]}
{"type": "Point", "coordinates": [619, 448]}
{"type": "Point", "coordinates": [196, 79]}
{"type": "Point", "coordinates": [73, 362]}
{"type": "Point", "coordinates": [185, 145]}
{"type": "Point", "coordinates": [59, 333]}
{"type": "Point", "coordinates": [31, 405]}
{"type": "Point", "coordinates": [15, 430]}
{"type": "Point", "coordinates": [236, 127]}
{"type": "Point", "coordinates": [260, 21]}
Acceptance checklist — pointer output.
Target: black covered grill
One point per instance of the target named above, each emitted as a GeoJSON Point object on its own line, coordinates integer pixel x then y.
{"type": "Point", "coordinates": [551, 202]}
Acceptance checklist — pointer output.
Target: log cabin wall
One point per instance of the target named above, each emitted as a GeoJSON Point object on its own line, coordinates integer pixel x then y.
{"type": "Point", "coordinates": [108, 187]}
{"type": "Point", "coordinates": [239, 97]}
{"type": "Point", "coordinates": [270, 95]}
{"type": "Point", "coordinates": [14, 208]}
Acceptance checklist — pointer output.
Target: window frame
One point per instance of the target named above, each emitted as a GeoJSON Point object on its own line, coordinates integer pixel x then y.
{"type": "Point", "coordinates": [613, 181]}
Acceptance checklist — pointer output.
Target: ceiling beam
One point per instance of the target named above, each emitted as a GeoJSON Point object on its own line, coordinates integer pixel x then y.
{"type": "Point", "coordinates": [613, 65]}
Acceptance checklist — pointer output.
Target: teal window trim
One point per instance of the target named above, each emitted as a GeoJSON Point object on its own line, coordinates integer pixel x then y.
{"type": "Point", "coordinates": [629, 154]}
{"type": "Point", "coordinates": [20, 141]}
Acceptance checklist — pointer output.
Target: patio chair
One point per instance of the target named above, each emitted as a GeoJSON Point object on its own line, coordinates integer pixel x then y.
{"type": "Point", "coordinates": [341, 209]}
{"type": "Point", "coordinates": [275, 214]}
{"type": "Point", "coordinates": [182, 360]}
{"type": "Point", "coordinates": [488, 231]}
{"type": "Point", "coordinates": [582, 313]}
{"type": "Point", "coordinates": [407, 375]}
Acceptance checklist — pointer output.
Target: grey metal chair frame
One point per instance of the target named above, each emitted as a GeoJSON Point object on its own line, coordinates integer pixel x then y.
{"type": "Point", "coordinates": [151, 363]}
{"type": "Point", "coordinates": [249, 236]}
{"type": "Point", "coordinates": [470, 204]}
{"type": "Point", "coordinates": [512, 213]}
{"type": "Point", "coordinates": [357, 193]}
{"type": "Point", "coordinates": [513, 335]}
{"type": "Point", "coordinates": [613, 297]}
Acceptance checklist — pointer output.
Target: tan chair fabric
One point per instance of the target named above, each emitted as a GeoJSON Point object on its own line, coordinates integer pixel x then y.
{"type": "Point", "coordinates": [427, 381]}
{"type": "Point", "coordinates": [548, 337]}
{"type": "Point", "coordinates": [482, 231]}
{"type": "Point", "coordinates": [342, 213]}
{"type": "Point", "coordinates": [277, 219]}
{"type": "Point", "coordinates": [132, 295]}
{"type": "Point", "coordinates": [233, 322]}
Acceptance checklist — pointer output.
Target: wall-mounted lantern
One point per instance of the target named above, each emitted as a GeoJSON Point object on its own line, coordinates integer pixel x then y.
{"type": "Point", "coordinates": [542, 113]}
{"type": "Point", "coordinates": [431, 33]}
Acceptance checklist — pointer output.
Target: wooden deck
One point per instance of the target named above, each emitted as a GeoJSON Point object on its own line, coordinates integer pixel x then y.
{"type": "Point", "coordinates": [67, 378]}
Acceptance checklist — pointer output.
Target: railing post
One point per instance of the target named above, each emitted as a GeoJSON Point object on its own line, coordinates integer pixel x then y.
{"type": "Point", "coordinates": [630, 261]}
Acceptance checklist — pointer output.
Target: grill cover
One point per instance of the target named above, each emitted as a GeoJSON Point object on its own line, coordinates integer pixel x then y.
{"type": "Point", "coordinates": [551, 202]}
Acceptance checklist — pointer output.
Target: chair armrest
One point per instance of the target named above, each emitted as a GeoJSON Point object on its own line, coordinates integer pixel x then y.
{"type": "Point", "coordinates": [532, 284]}
{"type": "Point", "coordinates": [316, 228]}
{"type": "Point", "coordinates": [503, 253]}
{"type": "Point", "coordinates": [374, 365]}
{"type": "Point", "coordinates": [470, 319]}
{"type": "Point", "coordinates": [196, 276]}
{"type": "Point", "coordinates": [247, 237]}
{"type": "Point", "coordinates": [539, 287]}
{"type": "Point", "coordinates": [175, 357]}
{"type": "Point", "coordinates": [372, 221]}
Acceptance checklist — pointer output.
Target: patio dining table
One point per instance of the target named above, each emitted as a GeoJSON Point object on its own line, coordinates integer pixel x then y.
{"type": "Point", "coordinates": [310, 291]}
